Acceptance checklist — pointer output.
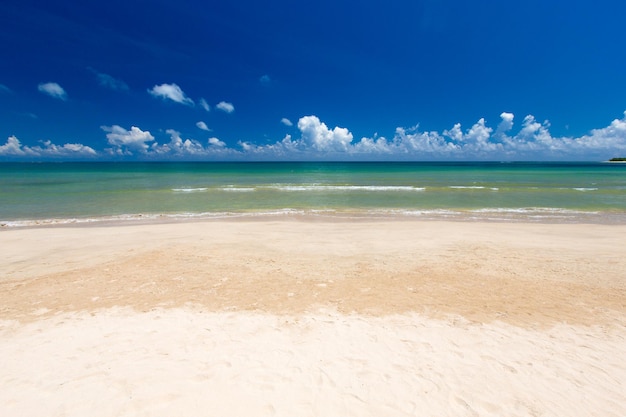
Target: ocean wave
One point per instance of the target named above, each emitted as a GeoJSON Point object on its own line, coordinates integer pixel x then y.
{"type": "Point", "coordinates": [141, 217]}
{"type": "Point", "coordinates": [315, 187]}
{"type": "Point", "coordinates": [189, 190]}
{"type": "Point", "coordinates": [308, 187]}
{"type": "Point", "coordinates": [532, 210]}
{"type": "Point", "coordinates": [232, 188]}
{"type": "Point", "coordinates": [473, 187]}
{"type": "Point", "coordinates": [417, 212]}
{"type": "Point", "coordinates": [70, 221]}
{"type": "Point", "coordinates": [532, 214]}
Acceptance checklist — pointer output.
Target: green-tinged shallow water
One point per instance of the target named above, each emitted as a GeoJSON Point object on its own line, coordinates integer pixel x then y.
{"type": "Point", "coordinates": [527, 191]}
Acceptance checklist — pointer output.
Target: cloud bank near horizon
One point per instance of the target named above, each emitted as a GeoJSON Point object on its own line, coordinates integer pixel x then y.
{"type": "Point", "coordinates": [13, 147]}
{"type": "Point", "coordinates": [532, 141]}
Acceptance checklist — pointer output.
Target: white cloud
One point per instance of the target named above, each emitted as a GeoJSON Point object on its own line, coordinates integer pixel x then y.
{"type": "Point", "coordinates": [413, 142]}
{"type": "Point", "coordinates": [225, 106]}
{"type": "Point", "coordinates": [204, 104]}
{"type": "Point", "coordinates": [126, 141]}
{"type": "Point", "coordinates": [265, 79]}
{"type": "Point", "coordinates": [178, 146]}
{"type": "Point", "coordinates": [171, 92]}
{"type": "Point", "coordinates": [53, 90]}
{"type": "Point", "coordinates": [316, 141]}
{"type": "Point", "coordinates": [285, 149]}
{"type": "Point", "coordinates": [203, 126]}
{"type": "Point", "coordinates": [456, 134]}
{"type": "Point", "coordinates": [505, 125]}
{"type": "Point", "coordinates": [610, 137]}
{"type": "Point", "coordinates": [141, 143]}
{"type": "Point", "coordinates": [4, 89]}
{"type": "Point", "coordinates": [68, 149]}
{"type": "Point", "coordinates": [375, 145]}
{"type": "Point", "coordinates": [478, 138]}
{"type": "Point", "coordinates": [190, 148]}
{"type": "Point", "coordinates": [317, 135]}
{"type": "Point", "coordinates": [13, 147]}
{"type": "Point", "coordinates": [286, 121]}
{"type": "Point", "coordinates": [532, 141]}
{"type": "Point", "coordinates": [216, 142]}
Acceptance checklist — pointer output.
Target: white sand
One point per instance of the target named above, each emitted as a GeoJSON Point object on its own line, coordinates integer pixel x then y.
{"type": "Point", "coordinates": [308, 318]}
{"type": "Point", "coordinates": [184, 363]}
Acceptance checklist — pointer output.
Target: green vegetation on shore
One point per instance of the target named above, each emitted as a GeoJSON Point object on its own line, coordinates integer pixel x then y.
{"type": "Point", "coordinates": [621, 159]}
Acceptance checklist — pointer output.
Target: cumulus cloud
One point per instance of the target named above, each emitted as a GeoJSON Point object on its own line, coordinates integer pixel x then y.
{"type": "Point", "coordinates": [505, 124]}
{"type": "Point", "coordinates": [125, 142]}
{"type": "Point", "coordinates": [190, 148]}
{"type": "Point", "coordinates": [225, 106]}
{"type": "Point", "coordinates": [612, 136]}
{"type": "Point", "coordinates": [14, 148]}
{"type": "Point", "coordinates": [204, 104]}
{"type": "Point", "coordinates": [286, 121]}
{"type": "Point", "coordinates": [265, 79]}
{"type": "Point", "coordinates": [318, 136]}
{"type": "Point", "coordinates": [178, 146]}
{"type": "Point", "coordinates": [138, 143]}
{"type": "Point", "coordinates": [316, 141]}
{"type": "Point", "coordinates": [171, 92]}
{"type": "Point", "coordinates": [203, 126]}
{"type": "Point", "coordinates": [108, 81]}
{"type": "Point", "coordinates": [53, 90]}
{"type": "Point", "coordinates": [68, 149]}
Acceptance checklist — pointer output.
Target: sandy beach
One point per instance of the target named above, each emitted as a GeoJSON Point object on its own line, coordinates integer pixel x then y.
{"type": "Point", "coordinates": [313, 317]}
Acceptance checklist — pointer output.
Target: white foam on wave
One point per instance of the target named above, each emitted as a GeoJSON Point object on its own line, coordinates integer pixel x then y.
{"type": "Point", "coordinates": [417, 212]}
{"type": "Point", "coordinates": [232, 188]}
{"type": "Point", "coordinates": [189, 190]}
{"type": "Point", "coordinates": [43, 222]}
{"type": "Point", "coordinates": [532, 210]}
{"type": "Point", "coordinates": [485, 214]}
{"type": "Point", "coordinates": [314, 187]}
{"type": "Point", "coordinates": [534, 214]}
{"type": "Point", "coordinates": [86, 220]}
{"type": "Point", "coordinates": [472, 187]}
{"type": "Point", "coordinates": [146, 217]}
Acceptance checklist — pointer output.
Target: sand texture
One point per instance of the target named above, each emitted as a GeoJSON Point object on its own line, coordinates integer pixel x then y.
{"type": "Point", "coordinates": [305, 317]}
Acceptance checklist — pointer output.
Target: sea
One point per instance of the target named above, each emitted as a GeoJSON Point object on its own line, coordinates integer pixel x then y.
{"type": "Point", "coordinates": [33, 194]}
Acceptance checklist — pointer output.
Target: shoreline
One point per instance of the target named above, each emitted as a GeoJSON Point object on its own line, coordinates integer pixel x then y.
{"type": "Point", "coordinates": [533, 215]}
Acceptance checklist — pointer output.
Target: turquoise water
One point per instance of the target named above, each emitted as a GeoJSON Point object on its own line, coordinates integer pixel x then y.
{"type": "Point", "coordinates": [69, 192]}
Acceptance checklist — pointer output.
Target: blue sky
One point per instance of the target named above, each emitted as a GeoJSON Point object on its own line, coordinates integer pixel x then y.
{"type": "Point", "coordinates": [299, 80]}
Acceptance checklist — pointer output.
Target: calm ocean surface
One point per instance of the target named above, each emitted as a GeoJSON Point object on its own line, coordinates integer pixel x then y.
{"type": "Point", "coordinates": [32, 193]}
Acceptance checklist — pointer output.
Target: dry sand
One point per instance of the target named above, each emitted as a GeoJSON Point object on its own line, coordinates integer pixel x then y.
{"type": "Point", "coordinates": [302, 317]}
